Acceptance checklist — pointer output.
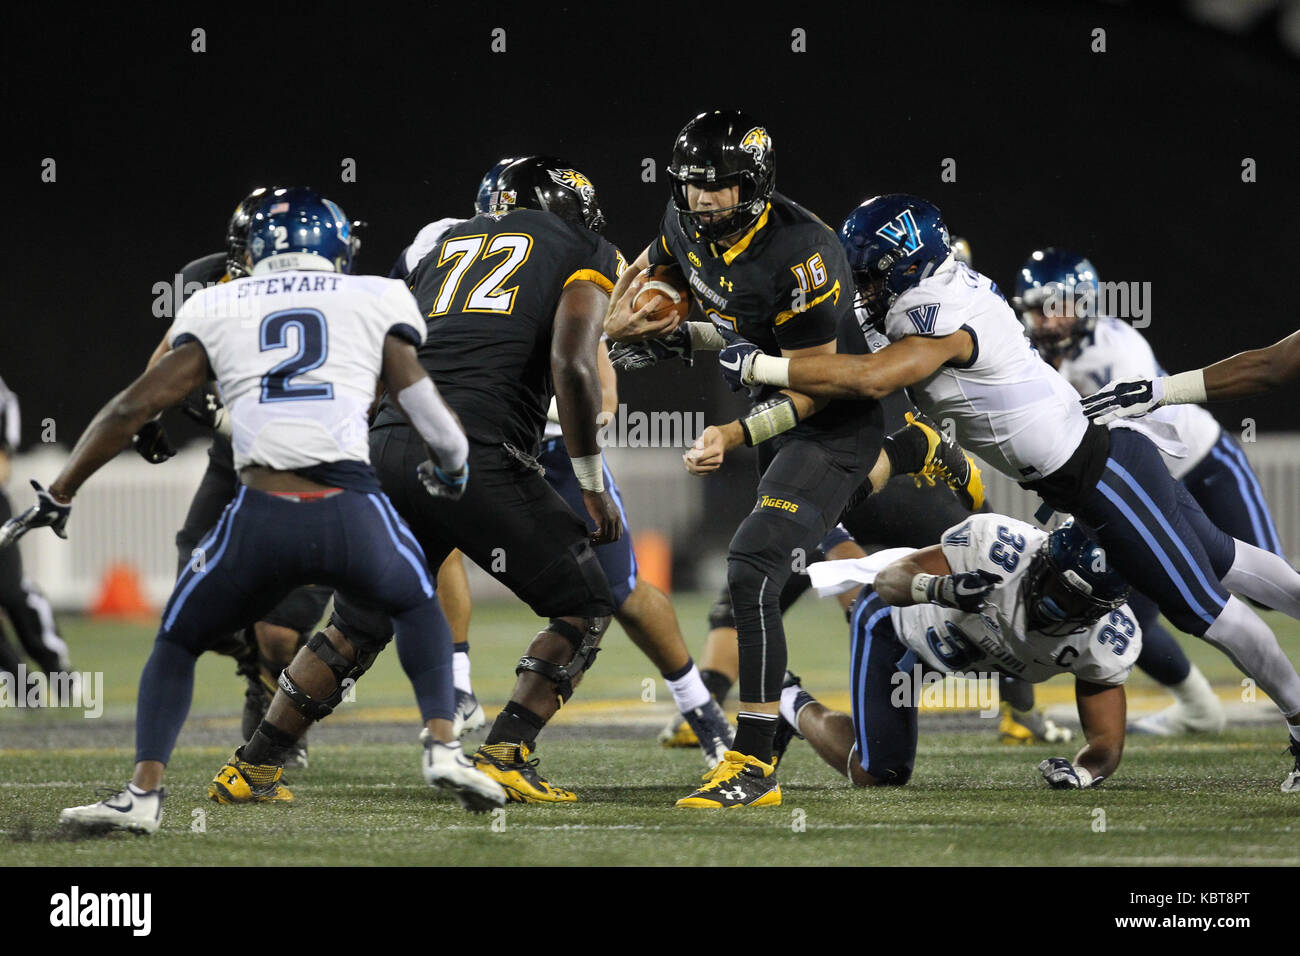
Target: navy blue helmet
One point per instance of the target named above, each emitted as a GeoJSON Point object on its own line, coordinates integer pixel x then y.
{"type": "Point", "coordinates": [483, 200]}
{"type": "Point", "coordinates": [237, 230]}
{"type": "Point", "coordinates": [715, 150]}
{"type": "Point", "coordinates": [1056, 296]}
{"type": "Point", "coordinates": [1070, 584]}
{"type": "Point", "coordinates": [300, 222]}
{"type": "Point", "coordinates": [892, 243]}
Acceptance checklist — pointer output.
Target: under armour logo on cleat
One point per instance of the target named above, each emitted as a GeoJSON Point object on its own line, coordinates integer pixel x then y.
{"type": "Point", "coordinates": [734, 794]}
{"type": "Point", "coordinates": [232, 778]}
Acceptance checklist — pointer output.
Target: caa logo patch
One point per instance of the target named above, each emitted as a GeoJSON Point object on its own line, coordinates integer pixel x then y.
{"type": "Point", "coordinates": [901, 231]}
{"type": "Point", "coordinates": [924, 317]}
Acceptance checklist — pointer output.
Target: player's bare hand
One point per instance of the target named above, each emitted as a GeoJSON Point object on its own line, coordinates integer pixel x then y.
{"type": "Point", "coordinates": [603, 511]}
{"type": "Point", "coordinates": [623, 324]}
{"type": "Point", "coordinates": [708, 452]}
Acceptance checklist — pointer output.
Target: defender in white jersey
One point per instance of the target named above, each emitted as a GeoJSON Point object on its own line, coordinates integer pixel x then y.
{"type": "Point", "coordinates": [958, 348]}
{"type": "Point", "coordinates": [296, 349]}
{"type": "Point", "coordinates": [996, 596]}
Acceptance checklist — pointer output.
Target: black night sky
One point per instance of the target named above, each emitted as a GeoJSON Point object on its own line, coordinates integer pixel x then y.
{"type": "Point", "coordinates": [1132, 156]}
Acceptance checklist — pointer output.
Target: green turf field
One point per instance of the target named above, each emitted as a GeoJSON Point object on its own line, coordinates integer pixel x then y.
{"type": "Point", "coordinates": [971, 800]}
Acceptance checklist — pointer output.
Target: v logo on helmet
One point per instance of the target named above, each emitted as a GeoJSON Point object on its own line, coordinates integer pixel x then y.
{"type": "Point", "coordinates": [902, 232]}
{"type": "Point", "coordinates": [575, 181]}
{"type": "Point", "coordinates": [924, 317]}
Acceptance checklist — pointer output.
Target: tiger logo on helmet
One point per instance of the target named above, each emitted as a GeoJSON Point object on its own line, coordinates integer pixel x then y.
{"type": "Point", "coordinates": [573, 179]}
{"type": "Point", "coordinates": [757, 143]}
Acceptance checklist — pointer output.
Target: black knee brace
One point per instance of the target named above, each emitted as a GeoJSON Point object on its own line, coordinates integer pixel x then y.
{"type": "Point", "coordinates": [346, 672]}
{"type": "Point", "coordinates": [585, 648]}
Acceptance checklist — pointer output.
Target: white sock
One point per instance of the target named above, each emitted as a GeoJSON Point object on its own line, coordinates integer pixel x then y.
{"type": "Point", "coordinates": [137, 791]}
{"type": "Point", "coordinates": [688, 690]}
{"type": "Point", "coordinates": [788, 694]}
{"type": "Point", "coordinates": [460, 671]}
{"type": "Point", "coordinates": [1191, 690]}
{"type": "Point", "coordinates": [1264, 577]}
{"type": "Point", "coordinates": [1242, 634]}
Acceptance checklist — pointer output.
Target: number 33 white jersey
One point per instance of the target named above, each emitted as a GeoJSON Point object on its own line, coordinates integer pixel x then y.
{"type": "Point", "coordinates": [296, 355]}
{"type": "Point", "coordinates": [997, 638]}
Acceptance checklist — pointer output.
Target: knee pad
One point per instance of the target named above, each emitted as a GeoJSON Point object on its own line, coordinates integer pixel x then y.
{"type": "Point", "coordinates": [345, 672]}
{"type": "Point", "coordinates": [721, 615]}
{"type": "Point", "coordinates": [585, 648]}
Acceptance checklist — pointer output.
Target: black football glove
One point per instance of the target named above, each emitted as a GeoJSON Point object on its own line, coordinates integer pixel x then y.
{"type": "Point", "coordinates": [152, 444]}
{"type": "Point", "coordinates": [443, 484]}
{"type": "Point", "coordinates": [46, 513]}
{"type": "Point", "coordinates": [965, 590]}
{"type": "Point", "coordinates": [629, 356]}
{"type": "Point", "coordinates": [205, 408]}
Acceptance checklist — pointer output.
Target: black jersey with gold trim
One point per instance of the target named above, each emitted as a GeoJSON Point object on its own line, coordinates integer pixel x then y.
{"type": "Point", "coordinates": [785, 284]}
{"type": "Point", "coordinates": [489, 290]}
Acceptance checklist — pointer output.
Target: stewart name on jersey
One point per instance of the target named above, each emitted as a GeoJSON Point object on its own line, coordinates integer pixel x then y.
{"type": "Point", "coordinates": [489, 290]}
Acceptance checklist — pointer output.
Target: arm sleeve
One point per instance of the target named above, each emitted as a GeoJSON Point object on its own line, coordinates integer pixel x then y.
{"type": "Point", "coordinates": [401, 316]}
{"type": "Point", "coordinates": [815, 290]}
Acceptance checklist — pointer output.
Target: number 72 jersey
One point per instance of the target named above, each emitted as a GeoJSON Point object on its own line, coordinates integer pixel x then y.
{"type": "Point", "coordinates": [296, 355]}
{"type": "Point", "coordinates": [997, 638]}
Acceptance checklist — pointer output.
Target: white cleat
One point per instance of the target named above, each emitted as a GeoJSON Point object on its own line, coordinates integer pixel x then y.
{"type": "Point", "coordinates": [1197, 710]}
{"type": "Point", "coordinates": [138, 811]}
{"type": "Point", "coordinates": [468, 716]}
{"type": "Point", "coordinates": [446, 767]}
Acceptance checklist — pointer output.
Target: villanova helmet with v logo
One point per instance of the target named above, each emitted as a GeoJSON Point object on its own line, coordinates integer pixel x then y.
{"type": "Point", "coordinates": [892, 243]}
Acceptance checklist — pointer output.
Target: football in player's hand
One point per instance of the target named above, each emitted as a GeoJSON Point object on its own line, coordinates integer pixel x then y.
{"type": "Point", "coordinates": [669, 287]}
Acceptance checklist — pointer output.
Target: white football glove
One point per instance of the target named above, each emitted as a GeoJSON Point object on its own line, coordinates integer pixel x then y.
{"type": "Point", "coordinates": [1060, 774]}
{"type": "Point", "coordinates": [1130, 398]}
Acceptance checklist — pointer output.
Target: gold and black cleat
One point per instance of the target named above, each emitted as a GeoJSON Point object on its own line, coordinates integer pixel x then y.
{"type": "Point", "coordinates": [242, 782]}
{"type": "Point", "coordinates": [947, 461]}
{"type": "Point", "coordinates": [508, 765]}
{"type": "Point", "coordinates": [1022, 727]}
{"type": "Point", "coordinates": [739, 781]}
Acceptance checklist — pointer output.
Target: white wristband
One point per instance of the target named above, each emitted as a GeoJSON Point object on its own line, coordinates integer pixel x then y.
{"type": "Point", "coordinates": [590, 472]}
{"type": "Point", "coordinates": [222, 424]}
{"type": "Point", "coordinates": [1085, 777]}
{"type": "Point", "coordinates": [770, 370]}
{"type": "Point", "coordinates": [1185, 388]}
{"type": "Point", "coordinates": [920, 588]}
{"type": "Point", "coordinates": [705, 336]}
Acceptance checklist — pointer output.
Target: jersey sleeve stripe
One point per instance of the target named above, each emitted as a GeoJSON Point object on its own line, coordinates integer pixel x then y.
{"type": "Point", "coordinates": [407, 333]}
{"type": "Point", "coordinates": [783, 317]}
{"type": "Point", "coordinates": [590, 275]}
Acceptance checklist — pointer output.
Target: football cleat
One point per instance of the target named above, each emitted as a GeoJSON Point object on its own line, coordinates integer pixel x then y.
{"type": "Point", "coordinates": [138, 811]}
{"type": "Point", "coordinates": [678, 733]}
{"type": "Point", "coordinates": [241, 782]}
{"type": "Point", "coordinates": [1017, 727]}
{"type": "Point", "coordinates": [739, 781]}
{"type": "Point", "coordinates": [1292, 782]}
{"type": "Point", "coordinates": [1197, 710]}
{"type": "Point", "coordinates": [508, 765]}
{"type": "Point", "coordinates": [296, 759]}
{"type": "Point", "coordinates": [947, 461]}
{"type": "Point", "coordinates": [712, 730]}
{"type": "Point", "coordinates": [468, 715]}
{"type": "Point", "coordinates": [445, 766]}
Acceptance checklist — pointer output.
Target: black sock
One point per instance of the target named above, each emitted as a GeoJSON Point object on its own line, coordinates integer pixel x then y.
{"type": "Point", "coordinates": [516, 724]}
{"type": "Point", "coordinates": [1016, 692]}
{"type": "Point", "coordinates": [268, 745]}
{"type": "Point", "coordinates": [460, 648]}
{"type": "Point", "coordinates": [718, 684]}
{"type": "Point", "coordinates": [680, 672]}
{"type": "Point", "coordinates": [754, 734]}
{"type": "Point", "coordinates": [906, 450]}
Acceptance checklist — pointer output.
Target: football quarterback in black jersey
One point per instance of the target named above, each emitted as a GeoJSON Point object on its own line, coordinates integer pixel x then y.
{"type": "Point", "coordinates": [764, 267]}
{"type": "Point", "coordinates": [514, 302]}
{"type": "Point", "coordinates": [263, 649]}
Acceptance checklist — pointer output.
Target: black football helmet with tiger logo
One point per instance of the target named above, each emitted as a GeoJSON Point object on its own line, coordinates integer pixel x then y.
{"type": "Point", "coordinates": [718, 149]}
